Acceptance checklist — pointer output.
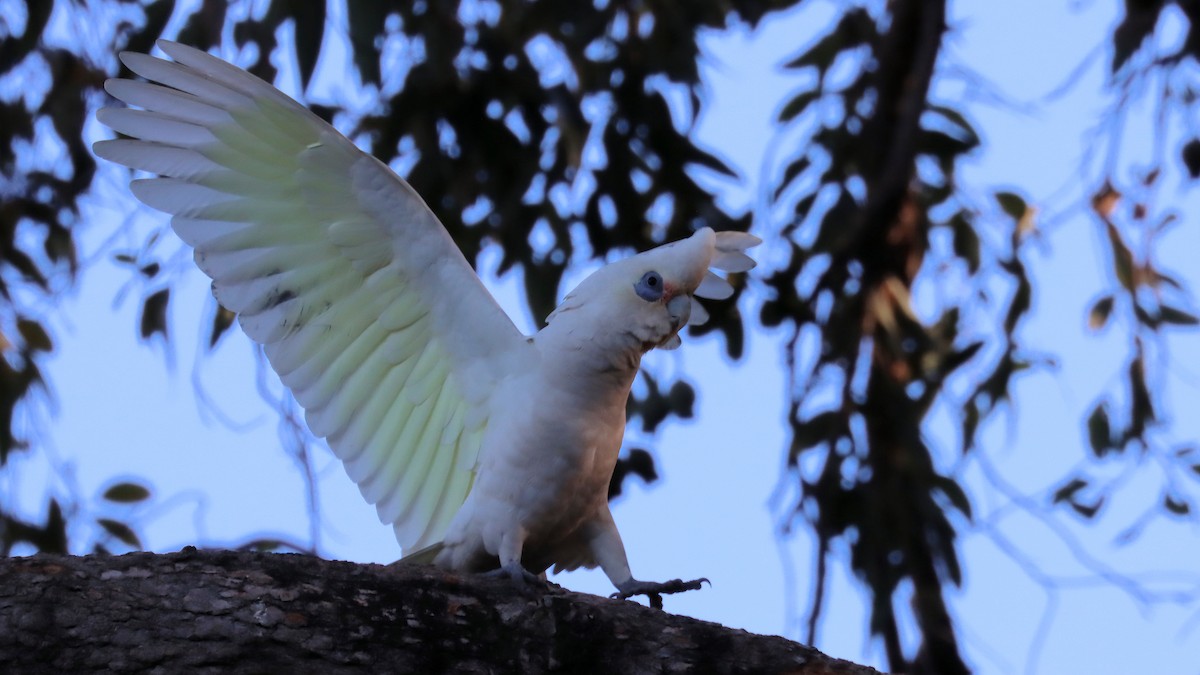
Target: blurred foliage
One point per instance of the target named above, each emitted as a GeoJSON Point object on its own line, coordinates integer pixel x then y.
{"type": "Point", "coordinates": [870, 188]}
{"type": "Point", "coordinates": [1134, 209]}
{"type": "Point", "coordinates": [858, 238]}
{"type": "Point", "coordinates": [45, 168]}
{"type": "Point", "coordinates": [561, 129]}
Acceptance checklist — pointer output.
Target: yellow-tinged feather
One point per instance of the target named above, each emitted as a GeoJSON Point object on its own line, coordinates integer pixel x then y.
{"type": "Point", "coordinates": [262, 124]}
{"type": "Point", "coordinates": [403, 313]}
{"type": "Point", "coordinates": [356, 232]}
{"type": "Point", "coordinates": [272, 213]}
{"type": "Point", "coordinates": [170, 102]}
{"type": "Point", "coordinates": [403, 451]}
{"type": "Point", "coordinates": [425, 382]}
{"type": "Point", "coordinates": [282, 117]}
{"type": "Point", "coordinates": [414, 498]}
{"type": "Point", "coordinates": [183, 79]}
{"type": "Point", "coordinates": [274, 165]}
{"type": "Point", "coordinates": [458, 484]}
{"type": "Point", "coordinates": [349, 442]}
{"type": "Point", "coordinates": [241, 264]}
{"type": "Point", "coordinates": [369, 459]}
{"type": "Point", "coordinates": [354, 393]}
{"type": "Point", "coordinates": [365, 307]}
{"type": "Point", "coordinates": [403, 344]}
{"type": "Point", "coordinates": [335, 339]}
{"type": "Point", "coordinates": [453, 428]}
{"type": "Point", "coordinates": [281, 237]}
{"type": "Point", "coordinates": [260, 293]}
{"type": "Point", "coordinates": [311, 341]}
{"type": "Point", "coordinates": [166, 160]}
{"type": "Point", "coordinates": [332, 374]}
{"type": "Point", "coordinates": [242, 185]}
{"type": "Point", "coordinates": [154, 127]}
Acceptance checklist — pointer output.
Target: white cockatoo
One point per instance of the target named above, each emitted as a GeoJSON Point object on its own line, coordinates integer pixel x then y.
{"type": "Point", "coordinates": [484, 448]}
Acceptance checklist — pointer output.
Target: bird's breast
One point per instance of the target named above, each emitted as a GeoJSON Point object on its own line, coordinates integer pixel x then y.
{"type": "Point", "coordinates": [553, 435]}
{"type": "Point", "coordinates": [548, 455]}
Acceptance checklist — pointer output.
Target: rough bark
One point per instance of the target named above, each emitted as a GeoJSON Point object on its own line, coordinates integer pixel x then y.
{"type": "Point", "coordinates": [242, 612]}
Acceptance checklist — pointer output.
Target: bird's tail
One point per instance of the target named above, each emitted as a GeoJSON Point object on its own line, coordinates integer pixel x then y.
{"type": "Point", "coordinates": [423, 556]}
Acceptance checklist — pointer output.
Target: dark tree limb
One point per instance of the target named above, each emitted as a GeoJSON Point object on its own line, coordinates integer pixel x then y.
{"type": "Point", "coordinates": [240, 612]}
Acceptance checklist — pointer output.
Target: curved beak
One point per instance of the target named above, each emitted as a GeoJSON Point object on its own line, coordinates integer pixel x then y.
{"type": "Point", "coordinates": [680, 310]}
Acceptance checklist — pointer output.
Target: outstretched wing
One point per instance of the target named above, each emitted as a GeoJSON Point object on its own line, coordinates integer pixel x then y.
{"type": "Point", "coordinates": [365, 307]}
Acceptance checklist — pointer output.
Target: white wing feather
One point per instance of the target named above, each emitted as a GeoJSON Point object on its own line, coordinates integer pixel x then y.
{"type": "Point", "coordinates": [365, 306]}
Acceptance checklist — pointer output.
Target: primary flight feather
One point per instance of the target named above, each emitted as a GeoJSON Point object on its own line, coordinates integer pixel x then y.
{"type": "Point", "coordinates": [484, 448]}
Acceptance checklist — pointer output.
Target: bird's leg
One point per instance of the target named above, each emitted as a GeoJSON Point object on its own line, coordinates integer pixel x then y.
{"type": "Point", "coordinates": [515, 571]}
{"type": "Point", "coordinates": [510, 562]}
{"type": "Point", "coordinates": [609, 552]}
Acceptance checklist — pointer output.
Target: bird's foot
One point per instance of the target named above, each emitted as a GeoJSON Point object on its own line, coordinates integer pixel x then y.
{"type": "Point", "coordinates": [520, 576]}
{"type": "Point", "coordinates": [654, 590]}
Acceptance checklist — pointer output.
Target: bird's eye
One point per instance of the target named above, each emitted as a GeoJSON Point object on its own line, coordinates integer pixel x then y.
{"type": "Point", "coordinates": [650, 287]}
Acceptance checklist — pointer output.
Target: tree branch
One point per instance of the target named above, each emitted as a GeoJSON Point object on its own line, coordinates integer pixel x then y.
{"type": "Point", "coordinates": [238, 612]}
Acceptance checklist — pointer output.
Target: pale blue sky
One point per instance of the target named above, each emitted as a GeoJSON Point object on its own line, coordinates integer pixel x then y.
{"type": "Point", "coordinates": [120, 413]}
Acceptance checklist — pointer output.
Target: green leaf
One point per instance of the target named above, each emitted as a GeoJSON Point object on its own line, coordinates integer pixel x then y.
{"type": "Point", "coordinates": [154, 314]}
{"type": "Point", "coordinates": [971, 419]}
{"type": "Point", "coordinates": [709, 161]}
{"type": "Point", "coordinates": [1191, 155]}
{"type": "Point", "coordinates": [1088, 511]}
{"type": "Point", "coordinates": [957, 119]}
{"type": "Point", "coordinates": [954, 492]}
{"type": "Point", "coordinates": [793, 169]}
{"type": "Point", "coordinates": [1012, 204]}
{"type": "Point", "coordinates": [1168, 314]}
{"type": "Point", "coordinates": [1068, 491]}
{"type": "Point", "coordinates": [1098, 315]}
{"type": "Point", "coordinates": [804, 205]}
{"type": "Point", "coordinates": [121, 531]}
{"type": "Point", "coordinates": [1141, 404]}
{"type": "Point", "coordinates": [1022, 300]}
{"type": "Point", "coordinates": [966, 241]}
{"type": "Point", "coordinates": [943, 146]}
{"type": "Point", "coordinates": [682, 399]}
{"type": "Point", "coordinates": [1122, 256]}
{"type": "Point", "coordinates": [1100, 431]}
{"type": "Point", "coordinates": [956, 358]}
{"type": "Point", "coordinates": [847, 34]}
{"type": "Point", "coordinates": [797, 105]}
{"type": "Point", "coordinates": [823, 427]}
{"type": "Point", "coordinates": [127, 493]}
{"type": "Point", "coordinates": [1176, 505]}
{"type": "Point", "coordinates": [222, 321]}
{"type": "Point", "coordinates": [1137, 25]}
{"type": "Point", "coordinates": [1144, 317]}
{"type": "Point", "coordinates": [35, 336]}
{"type": "Point", "coordinates": [1167, 221]}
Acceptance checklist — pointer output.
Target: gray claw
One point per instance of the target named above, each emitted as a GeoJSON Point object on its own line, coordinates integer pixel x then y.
{"type": "Point", "coordinates": [654, 590]}
{"type": "Point", "coordinates": [520, 576]}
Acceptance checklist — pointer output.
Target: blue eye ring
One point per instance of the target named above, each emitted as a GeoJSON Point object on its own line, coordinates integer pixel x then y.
{"type": "Point", "coordinates": [650, 287]}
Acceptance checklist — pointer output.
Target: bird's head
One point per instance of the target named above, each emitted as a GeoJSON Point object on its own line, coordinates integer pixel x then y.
{"type": "Point", "coordinates": [651, 296]}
